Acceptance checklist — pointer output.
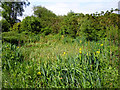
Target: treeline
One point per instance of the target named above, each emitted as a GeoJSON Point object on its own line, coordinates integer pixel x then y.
{"type": "Point", "coordinates": [94, 26]}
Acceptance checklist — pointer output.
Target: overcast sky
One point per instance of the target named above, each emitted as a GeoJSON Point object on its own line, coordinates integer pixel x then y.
{"type": "Point", "coordinates": [62, 7]}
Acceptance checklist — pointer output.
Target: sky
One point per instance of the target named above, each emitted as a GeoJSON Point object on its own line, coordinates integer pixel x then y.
{"type": "Point", "coordinates": [62, 7]}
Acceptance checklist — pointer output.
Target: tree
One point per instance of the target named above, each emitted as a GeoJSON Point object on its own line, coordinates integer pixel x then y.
{"type": "Point", "coordinates": [5, 25]}
{"type": "Point", "coordinates": [13, 9]}
{"type": "Point", "coordinates": [31, 24]}
{"type": "Point", "coordinates": [49, 21]}
{"type": "Point", "coordinates": [45, 15]}
{"type": "Point", "coordinates": [69, 25]}
{"type": "Point", "coordinates": [42, 12]}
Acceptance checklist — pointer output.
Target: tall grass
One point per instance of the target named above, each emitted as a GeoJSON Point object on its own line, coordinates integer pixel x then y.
{"type": "Point", "coordinates": [0, 62]}
{"type": "Point", "coordinates": [60, 62]}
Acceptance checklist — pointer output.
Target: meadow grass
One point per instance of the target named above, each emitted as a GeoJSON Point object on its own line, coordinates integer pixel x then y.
{"type": "Point", "coordinates": [0, 63]}
{"type": "Point", "coordinates": [60, 62]}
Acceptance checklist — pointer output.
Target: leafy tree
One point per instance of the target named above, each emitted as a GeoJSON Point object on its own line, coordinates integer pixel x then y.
{"type": "Point", "coordinates": [13, 9]}
{"type": "Point", "coordinates": [48, 19]}
{"type": "Point", "coordinates": [42, 12]}
{"type": "Point", "coordinates": [5, 25]}
{"type": "Point", "coordinates": [56, 24]}
{"type": "Point", "coordinates": [69, 24]}
{"type": "Point", "coordinates": [16, 27]}
{"type": "Point", "coordinates": [45, 15]}
{"type": "Point", "coordinates": [31, 24]}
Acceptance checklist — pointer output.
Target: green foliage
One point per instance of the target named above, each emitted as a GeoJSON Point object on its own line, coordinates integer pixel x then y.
{"type": "Point", "coordinates": [46, 30]}
{"type": "Point", "coordinates": [31, 24]}
{"type": "Point", "coordinates": [19, 38]}
{"type": "Point", "coordinates": [13, 9]}
{"type": "Point", "coordinates": [69, 25]}
{"type": "Point", "coordinates": [46, 16]}
{"type": "Point", "coordinates": [87, 29]}
{"type": "Point", "coordinates": [33, 37]}
{"type": "Point", "coordinates": [5, 25]}
{"type": "Point", "coordinates": [112, 32]}
{"type": "Point", "coordinates": [43, 13]}
{"type": "Point", "coordinates": [92, 68]}
{"type": "Point", "coordinates": [56, 24]}
{"type": "Point", "coordinates": [48, 19]}
{"type": "Point", "coordinates": [11, 56]}
{"type": "Point", "coordinates": [16, 27]}
{"type": "Point", "coordinates": [91, 29]}
{"type": "Point", "coordinates": [67, 39]}
{"type": "Point", "coordinates": [13, 37]}
{"type": "Point", "coordinates": [89, 60]}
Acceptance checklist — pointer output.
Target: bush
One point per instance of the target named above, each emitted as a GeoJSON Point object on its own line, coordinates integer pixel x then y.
{"type": "Point", "coordinates": [14, 37]}
{"type": "Point", "coordinates": [31, 24]}
{"type": "Point", "coordinates": [33, 37]}
{"type": "Point", "coordinates": [5, 26]}
{"type": "Point", "coordinates": [69, 26]}
{"type": "Point", "coordinates": [46, 30]}
{"type": "Point", "coordinates": [16, 27]}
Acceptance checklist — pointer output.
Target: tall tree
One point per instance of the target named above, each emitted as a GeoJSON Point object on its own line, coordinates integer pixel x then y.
{"type": "Point", "coordinates": [12, 9]}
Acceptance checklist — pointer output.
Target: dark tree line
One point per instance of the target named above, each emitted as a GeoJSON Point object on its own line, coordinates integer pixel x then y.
{"type": "Point", "coordinates": [92, 26]}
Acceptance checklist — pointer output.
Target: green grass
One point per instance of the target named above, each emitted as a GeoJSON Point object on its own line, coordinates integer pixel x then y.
{"type": "Point", "coordinates": [60, 63]}
{"type": "Point", "coordinates": [0, 73]}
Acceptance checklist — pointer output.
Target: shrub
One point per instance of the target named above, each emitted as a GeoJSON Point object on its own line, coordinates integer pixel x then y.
{"type": "Point", "coordinates": [46, 30]}
{"type": "Point", "coordinates": [5, 26]}
{"type": "Point", "coordinates": [31, 24]}
{"type": "Point", "coordinates": [14, 37]}
{"type": "Point", "coordinates": [16, 27]}
{"type": "Point", "coordinates": [69, 26]}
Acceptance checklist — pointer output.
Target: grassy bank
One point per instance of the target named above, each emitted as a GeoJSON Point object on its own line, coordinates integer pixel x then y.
{"type": "Point", "coordinates": [60, 62]}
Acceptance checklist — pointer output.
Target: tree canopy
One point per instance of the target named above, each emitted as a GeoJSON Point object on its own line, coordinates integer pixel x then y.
{"type": "Point", "coordinates": [13, 9]}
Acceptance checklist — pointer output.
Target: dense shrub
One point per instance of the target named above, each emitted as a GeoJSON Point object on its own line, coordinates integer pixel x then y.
{"type": "Point", "coordinates": [46, 30]}
{"type": "Point", "coordinates": [46, 16]}
{"type": "Point", "coordinates": [5, 25]}
{"type": "Point", "coordinates": [20, 38]}
{"type": "Point", "coordinates": [16, 27]}
{"type": "Point", "coordinates": [31, 24]}
{"type": "Point", "coordinates": [91, 29]}
{"type": "Point", "coordinates": [14, 37]}
{"type": "Point", "coordinates": [69, 26]}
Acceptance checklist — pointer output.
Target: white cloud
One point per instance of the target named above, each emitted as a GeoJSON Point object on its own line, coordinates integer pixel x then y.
{"type": "Point", "coordinates": [64, 8]}
{"type": "Point", "coordinates": [61, 7]}
{"type": "Point", "coordinates": [58, 8]}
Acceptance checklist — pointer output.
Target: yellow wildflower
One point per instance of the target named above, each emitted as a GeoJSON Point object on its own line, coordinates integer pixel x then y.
{"type": "Point", "coordinates": [101, 44]}
{"type": "Point", "coordinates": [80, 49]}
{"type": "Point", "coordinates": [63, 53]}
{"type": "Point", "coordinates": [87, 54]}
{"type": "Point", "coordinates": [39, 73]}
{"type": "Point", "coordinates": [62, 36]}
{"type": "Point", "coordinates": [98, 52]}
{"type": "Point", "coordinates": [80, 52]}
{"type": "Point", "coordinates": [17, 47]}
